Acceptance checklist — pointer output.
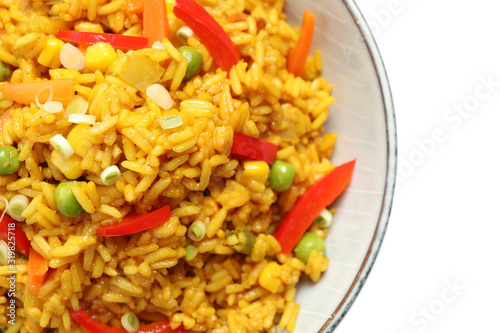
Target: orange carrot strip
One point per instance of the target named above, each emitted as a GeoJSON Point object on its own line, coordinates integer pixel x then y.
{"type": "Point", "coordinates": [37, 270]}
{"type": "Point", "coordinates": [155, 21]}
{"type": "Point", "coordinates": [24, 93]}
{"type": "Point", "coordinates": [297, 57]}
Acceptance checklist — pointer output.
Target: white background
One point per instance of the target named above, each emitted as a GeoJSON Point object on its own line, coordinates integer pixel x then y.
{"type": "Point", "coordinates": [438, 269]}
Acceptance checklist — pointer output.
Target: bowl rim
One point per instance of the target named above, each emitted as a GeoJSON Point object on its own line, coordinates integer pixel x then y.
{"type": "Point", "coordinates": [389, 188]}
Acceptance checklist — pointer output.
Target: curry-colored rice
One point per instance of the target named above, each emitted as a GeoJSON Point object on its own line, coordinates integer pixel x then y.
{"type": "Point", "coordinates": [190, 168]}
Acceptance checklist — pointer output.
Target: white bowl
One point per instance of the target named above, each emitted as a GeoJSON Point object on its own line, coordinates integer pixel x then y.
{"type": "Point", "coordinates": [363, 118]}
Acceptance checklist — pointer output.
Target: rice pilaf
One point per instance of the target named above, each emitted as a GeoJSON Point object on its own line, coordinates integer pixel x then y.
{"type": "Point", "coordinates": [190, 168]}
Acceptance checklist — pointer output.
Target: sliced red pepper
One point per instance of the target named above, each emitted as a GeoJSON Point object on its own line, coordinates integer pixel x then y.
{"type": "Point", "coordinates": [94, 326]}
{"type": "Point", "coordinates": [115, 40]}
{"type": "Point", "coordinates": [210, 32]}
{"type": "Point", "coordinates": [309, 205]}
{"type": "Point", "coordinates": [155, 21]}
{"type": "Point", "coordinates": [37, 268]}
{"type": "Point", "coordinates": [11, 232]}
{"type": "Point", "coordinates": [250, 148]}
{"type": "Point", "coordinates": [132, 224]}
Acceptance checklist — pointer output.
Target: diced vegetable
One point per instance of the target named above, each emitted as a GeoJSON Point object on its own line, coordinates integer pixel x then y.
{"type": "Point", "coordinates": [191, 252]}
{"type": "Point", "coordinates": [4, 71]}
{"type": "Point", "coordinates": [155, 21]}
{"type": "Point", "coordinates": [255, 170]}
{"type": "Point", "coordinates": [117, 41]}
{"type": "Point", "coordinates": [296, 60]}
{"type": "Point", "coordinates": [308, 206]}
{"type": "Point", "coordinates": [79, 139]}
{"type": "Point", "coordinates": [52, 106]}
{"type": "Point", "coordinates": [9, 229]}
{"type": "Point", "coordinates": [50, 55]}
{"type": "Point", "coordinates": [170, 122]}
{"type": "Point", "coordinates": [241, 240]}
{"type": "Point", "coordinates": [216, 40]}
{"type": "Point", "coordinates": [130, 322]}
{"type": "Point", "coordinates": [81, 118]}
{"type": "Point", "coordinates": [309, 242]}
{"type": "Point", "coordinates": [37, 268]}
{"type": "Point", "coordinates": [72, 58]}
{"type": "Point", "coordinates": [134, 223]}
{"type": "Point", "coordinates": [270, 277]}
{"type": "Point", "coordinates": [4, 253]}
{"type": "Point", "coordinates": [70, 167]}
{"type": "Point", "coordinates": [110, 175]}
{"type": "Point", "coordinates": [160, 95]}
{"type": "Point", "coordinates": [77, 105]}
{"type": "Point", "coordinates": [281, 176]}
{"type": "Point", "coordinates": [150, 72]}
{"type": "Point", "coordinates": [324, 219]}
{"type": "Point", "coordinates": [194, 59]}
{"type": "Point", "coordinates": [250, 148]}
{"type": "Point", "coordinates": [17, 205]}
{"type": "Point", "coordinates": [100, 56]}
{"type": "Point", "coordinates": [184, 33]}
{"type": "Point", "coordinates": [24, 93]}
{"type": "Point", "coordinates": [158, 45]}
{"type": "Point", "coordinates": [9, 160]}
{"type": "Point", "coordinates": [66, 202]}
{"type": "Point", "coordinates": [59, 143]}
{"type": "Point", "coordinates": [197, 231]}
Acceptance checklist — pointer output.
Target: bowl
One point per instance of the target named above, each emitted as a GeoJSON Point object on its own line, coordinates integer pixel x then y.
{"type": "Point", "coordinates": [363, 118]}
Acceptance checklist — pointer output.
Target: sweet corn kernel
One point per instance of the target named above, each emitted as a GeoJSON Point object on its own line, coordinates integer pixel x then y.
{"type": "Point", "coordinates": [49, 57]}
{"type": "Point", "coordinates": [78, 138]}
{"type": "Point", "coordinates": [100, 56]}
{"type": "Point", "coordinates": [70, 166]}
{"type": "Point", "coordinates": [269, 278]}
{"type": "Point", "coordinates": [255, 170]}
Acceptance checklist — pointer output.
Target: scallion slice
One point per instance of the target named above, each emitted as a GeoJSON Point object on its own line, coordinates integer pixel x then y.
{"type": "Point", "coordinates": [37, 96]}
{"type": "Point", "coordinates": [4, 253]}
{"type": "Point", "coordinates": [197, 230]}
{"type": "Point", "coordinates": [17, 205]}
{"type": "Point", "coordinates": [110, 175]}
{"type": "Point", "coordinates": [191, 252]}
{"type": "Point", "coordinates": [160, 95]}
{"type": "Point", "coordinates": [184, 33]}
{"type": "Point", "coordinates": [59, 143]}
{"type": "Point", "coordinates": [170, 122]}
{"type": "Point", "coordinates": [130, 322]}
{"type": "Point", "coordinates": [71, 57]}
{"type": "Point", "coordinates": [77, 105]}
{"type": "Point", "coordinates": [81, 118]}
{"type": "Point", "coordinates": [325, 218]}
{"type": "Point", "coordinates": [52, 106]}
{"type": "Point", "coordinates": [158, 45]}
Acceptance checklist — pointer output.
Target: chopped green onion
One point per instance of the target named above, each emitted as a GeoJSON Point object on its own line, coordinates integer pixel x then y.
{"type": "Point", "coordinates": [184, 33]}
{"type": "Point", "coordinates": [158, 45]}
{"type": "Point", "coordinates": [191, 252]}
{"type": "Point", "coordinates": [53, 106]}
{"type": "Point", "coordinates": [325, 218]}
{"type": "Point", "coordinates": [110, 175]}
{"type": "Point", "coordinates": [197, 230]}
{"type": "Point", "coordinates": [51, 94]}
{"type": "Point", "coordinates": [4, 253]}
{"type": "Point", "coordinates": [59, 143]}
{"type": "Point", "coordinates": [81, 118]}
{"type": "Point", "coordinates": [170, 122]}
{"type": "Point", "coordinates": [17, 205]}
{"type": "Point", "coordinates": [77, 105]}
{"type": "Point", "coordinates": [72, 58]}
{"type": "Point", "coordinates": [130, 322]}
{"type": "Point", "coordinates": [160, 95]}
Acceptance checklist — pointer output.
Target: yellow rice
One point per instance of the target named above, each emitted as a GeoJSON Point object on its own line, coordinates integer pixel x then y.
{"type": "Point", "coordinates": [190, 168]}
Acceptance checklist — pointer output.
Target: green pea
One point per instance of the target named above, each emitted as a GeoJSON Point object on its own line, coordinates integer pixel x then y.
{"type": "Point", "coordinates": [281, 175]}
{"type": "Point", "coordinates": [310, 241]}
{"type": "Point", "coordinates": [194, 59]}
{"type": "Point", "coordinates": [66, 202]}
{"type": "Point", "coordinates": [9, 160]}
{"type": "Point", "coordinates": [4, 71]}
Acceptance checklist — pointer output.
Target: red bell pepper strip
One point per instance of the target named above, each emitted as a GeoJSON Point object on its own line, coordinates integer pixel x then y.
{"type": "Point", "coordinates": [309, 205]}
{"type": "Point", "coordinates": [132, 224]}
{"type": "Point", "coordinates": [10, 232]}
{"type": "Point", "coordinates": [38, 267]}
{"type": "Point", "coordinates": [210, 32]}
{"type": "Point", "coordinates": [155, 21]}
{"type": "Point", "coordinates": [115, 40]}
{"type": "Point", "coordinates": [297, 57]}
{"type": "Point", "coordinates": [90, 324]}
{"type": "Point", "coordinates": [250, 148]}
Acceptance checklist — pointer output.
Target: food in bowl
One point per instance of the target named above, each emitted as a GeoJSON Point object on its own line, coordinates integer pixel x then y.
{"type": "Point", "coordinates": [162, 165]}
